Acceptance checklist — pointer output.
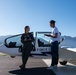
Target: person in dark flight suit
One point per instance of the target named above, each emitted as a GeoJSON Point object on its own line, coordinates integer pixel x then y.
{"type": "Point", "coordinates": [27, 39]}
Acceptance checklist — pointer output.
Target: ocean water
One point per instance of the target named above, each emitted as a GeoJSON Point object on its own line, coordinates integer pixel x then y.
{"type": "Point", "coordinates": [72, 49]}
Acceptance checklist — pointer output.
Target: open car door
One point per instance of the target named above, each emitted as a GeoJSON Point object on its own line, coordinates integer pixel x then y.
{"type": "Point", "coordinates": [43, 43]}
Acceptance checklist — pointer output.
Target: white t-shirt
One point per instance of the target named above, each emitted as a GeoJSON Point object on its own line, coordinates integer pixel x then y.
{"type": "Point", "coordinates": [54, 31]}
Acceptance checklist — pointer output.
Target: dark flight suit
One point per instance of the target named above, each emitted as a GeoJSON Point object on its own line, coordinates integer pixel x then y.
{"type": "Point", "coordinates": [27, 47]}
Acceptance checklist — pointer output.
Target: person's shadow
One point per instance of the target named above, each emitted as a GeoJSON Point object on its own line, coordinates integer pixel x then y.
{"type": "Point", "coordinates": [33, 71]}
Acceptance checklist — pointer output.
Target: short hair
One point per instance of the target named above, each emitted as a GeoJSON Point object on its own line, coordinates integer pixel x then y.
{"type": "Point", "coordinates": [26, 27]}
{"type": "Point", "coordinates": [53, 21]}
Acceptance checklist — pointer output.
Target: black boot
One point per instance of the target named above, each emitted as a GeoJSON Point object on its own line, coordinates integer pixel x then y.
{"type": "Point", "coordinates": [22, 67]}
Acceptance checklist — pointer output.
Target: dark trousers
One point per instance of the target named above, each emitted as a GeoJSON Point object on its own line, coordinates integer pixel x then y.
{"type": "Point", "coordinates": [26, 53]}
{"type": "Point", "coordinates": [54, 53]}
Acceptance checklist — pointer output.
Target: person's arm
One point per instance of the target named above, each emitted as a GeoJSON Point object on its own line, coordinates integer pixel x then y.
{"type": "Point", "coordinates": [23, 40]}
{"type": "Point", "coordinates": [32, 37]}
{"type": "Point", "coordinates": [55, 36]}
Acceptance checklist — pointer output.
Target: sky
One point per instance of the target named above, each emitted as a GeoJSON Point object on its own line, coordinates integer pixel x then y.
{"type": "Point", "coordinates": [16, 14]}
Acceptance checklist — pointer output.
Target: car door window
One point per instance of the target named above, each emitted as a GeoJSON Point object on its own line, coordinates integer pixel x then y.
{"type": "Point", "coordinates": [43, 41]}
{"type": "Point", "coordinates": [13, 41]}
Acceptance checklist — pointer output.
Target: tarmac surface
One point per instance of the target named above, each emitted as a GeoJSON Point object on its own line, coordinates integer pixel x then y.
{"type": "Point", "coordinates": [10, 66]}
{"type": "Point", "coordinates": [35, 66]}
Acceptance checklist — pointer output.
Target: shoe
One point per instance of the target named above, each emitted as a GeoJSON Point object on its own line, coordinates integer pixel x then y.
{"type": "Point", "coordinates": [51, 67]}
{"type": "Point", "coordinates": [22, 67]}
{"type": "Point", "coordinates": [55, 66]}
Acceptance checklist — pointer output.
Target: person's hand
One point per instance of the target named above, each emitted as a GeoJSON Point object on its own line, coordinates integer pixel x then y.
{"type": "Point", "coordinates": [48, 35]}
{"type": "Point", "coordinates": [29, 39]}
{"type": "Point", "coordinates": [25, 40]}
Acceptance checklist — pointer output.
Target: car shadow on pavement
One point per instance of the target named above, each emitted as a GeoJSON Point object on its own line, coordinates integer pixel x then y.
{"type": "Point", "coordinates": [33, 71]}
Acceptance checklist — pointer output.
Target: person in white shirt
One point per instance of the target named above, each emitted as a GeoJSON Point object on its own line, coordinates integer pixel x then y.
{"type": "Point", "coordinates": [55, 38]}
